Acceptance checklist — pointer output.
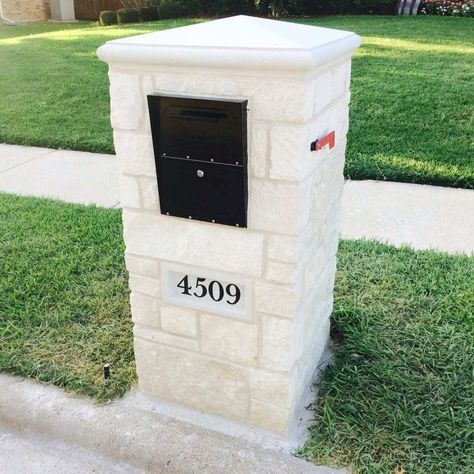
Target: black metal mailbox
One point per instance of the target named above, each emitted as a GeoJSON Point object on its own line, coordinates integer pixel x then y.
{"type": "Point", "coordinates": [200, 147]}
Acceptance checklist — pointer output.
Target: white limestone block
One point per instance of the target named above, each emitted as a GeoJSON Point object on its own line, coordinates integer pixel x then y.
{"type": "Point", "coordinates": [145, 309]}
{"type": "Point", "coordinates": [232, 340]}
{"type": "Point", "coordinates": [281, 272]}
{"type": "Point", "coordinates": [178, 321]}
{"type": "Point", "coordinates": [258, 149]}
{"type": "Point", "coordinates": [276, 343]}
{"type": "Point", "coordinates": [273, 299]}
{"type": "Point", "coordinates": [193, 243]}
{"type": "Point", "coordinates": [205, 384]}
{"type": "Point", "coordinates": [126, 101]}
{"type": "Point", "coordinates": [135, 153]}
{"type": "Point", "coordinates": [142, 266]}
{"type": "Point", "coordinates": [197, 82]}
{"type": "Point", "coordinates": [331, 84]}
{"type": "Point", "coordinates": [271, 98]}
{"type": "Point", "coordinates": [143, 284]}
{"type": "Point", "coordinates": [147, 88]}
{"type": "Point", "coordinates": [274, 206]}
{"type": "Point", "coordinates": [269, 387]}
{"type": "Point", "coordinates": [289, 146]}
{"type": "Point", "coordinates": [314, 268]}
{"type": "Point", "coordinates": [282, 248]}
{"type": "Point", "coordinates": [164, 339]}
{"type": "Point", "coordinates": [291, 158]}
{"type": "Point", "coordinates": [282, 100]}
{"type": "Point", "coordinates": [149, 194]}
{"type": "Point", "coordinates": [269, 417]}
{"type": "Point", "coordinates": [129, 191]}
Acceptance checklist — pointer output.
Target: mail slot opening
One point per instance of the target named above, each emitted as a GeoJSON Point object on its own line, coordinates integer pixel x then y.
{"type": "Point", "coordinates": [200, 147]}
{"type": "Point", "coordinates": [196, 114]}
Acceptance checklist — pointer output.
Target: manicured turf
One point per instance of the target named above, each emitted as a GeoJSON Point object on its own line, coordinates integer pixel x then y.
{"type": "Point", "coordinates": [54, 89]}
{"type": "Point", "coordinates": [401, 391]}
{"type": "Point", "coordinates": [411, 116]}
{"type": "Point", "coordinates": [412, 94]}
{"type": "Point", "coordinates": [64, 307]}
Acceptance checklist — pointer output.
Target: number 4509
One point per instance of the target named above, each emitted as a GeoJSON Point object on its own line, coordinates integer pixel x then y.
{"type": "Point", "coordinates": [214, 289]}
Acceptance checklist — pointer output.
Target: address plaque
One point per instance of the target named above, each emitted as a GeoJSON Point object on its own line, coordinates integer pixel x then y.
{"type": "Point", "coordinates": [207, 290]}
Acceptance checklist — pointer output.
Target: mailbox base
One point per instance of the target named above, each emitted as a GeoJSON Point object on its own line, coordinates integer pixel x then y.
{"type": "Point", "coordinates": [231, 321]}
{"type": "Point", "coordinates": [299, 432]}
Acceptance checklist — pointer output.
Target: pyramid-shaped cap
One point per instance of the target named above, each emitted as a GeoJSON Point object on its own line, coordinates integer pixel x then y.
{"type": "Point", "coordinates": [235, 42]}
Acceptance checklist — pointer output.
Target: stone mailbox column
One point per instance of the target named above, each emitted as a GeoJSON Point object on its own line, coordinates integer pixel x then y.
{"type": "Point", "coordinates": [228, 320]}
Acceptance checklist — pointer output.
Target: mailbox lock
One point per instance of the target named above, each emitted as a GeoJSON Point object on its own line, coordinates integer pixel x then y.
{"type": "Point", "coordinates": [200, 173]}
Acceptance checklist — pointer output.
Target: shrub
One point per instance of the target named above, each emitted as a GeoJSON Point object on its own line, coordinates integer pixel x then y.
{"type": "Point", "coordinates": [171, 9]}
{"type": "Point", "coordinates": [467, 9]}
{"type": "Point", "coordinates": [238, 7]}
{"type": "Point", "coordinates": [107, 18]}
{"type": "Point", "coordinates": [329, 7]}
{"type": "Point", "coordinates": [263, 7]}
{"type": "Point", "coordinates": [128, 4]}
{"type": "Point", "coordinates": [179, 8]}
{"type": "Point", "coordinates": [445, 8]}
{"type": "Point", "coordinates": [149, 13]}
{"type": "Point", "coordinates": [191, 7]}
{"type": "Point", "coordinates": [251, 8]}
{"type": "Point", "coordinates": [128, 15]}
{"type": "Point", "coordinates": [182, 8]}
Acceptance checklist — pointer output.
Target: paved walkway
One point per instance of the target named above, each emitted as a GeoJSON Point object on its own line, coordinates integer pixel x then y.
{"type": "Point", "coordinates": [72, 176]}
{"type": "Point", "coordinates": [421, 216]}
{"type": "Point", "coordinates": [40, 424]}
{"type": "Point", "coordinates": [35, 454]}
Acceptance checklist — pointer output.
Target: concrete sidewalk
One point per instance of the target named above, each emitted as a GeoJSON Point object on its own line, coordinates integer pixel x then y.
{"type": "Point", "coordinates": [72, 176]}
{"type": "Point", "coordinates": [423, 217]}
{"type": "Point", "coordinates": [132, 434]}
{"type": "Point", "coordinates": [29, 454]}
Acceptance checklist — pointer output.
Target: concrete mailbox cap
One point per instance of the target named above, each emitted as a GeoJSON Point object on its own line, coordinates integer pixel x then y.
{"type": "Point", "coordinates": [240, 42]}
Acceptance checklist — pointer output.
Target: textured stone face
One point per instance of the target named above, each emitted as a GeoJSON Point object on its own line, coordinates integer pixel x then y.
{"type": "Point", "coordinates": [257, 370]}
{"type": "Point", "coordinates": [178, 321]}
{"type": "Point", "coordinates": [274, 206]}
{"type": "Point", "coordinates": [277, 338]}
{"type": "Point", "coordinates": [142, 266]}
{"type": "Point", "coordinates": [232, 340]}
{"type": "Point", "coordinates": [269, 387]}
{"type": "Point", "coordinates": [193, 380]}
{"type": "Point", "coordinates": [135, 153]}
{"type": "Point", "coordinates": [126, 101]}
{"type": "Point", "coordinates": [145, 309]}
{"type": "Point", "coordinates": [194, 243]}
{"type": "Point", "coordinates": [273, 299]}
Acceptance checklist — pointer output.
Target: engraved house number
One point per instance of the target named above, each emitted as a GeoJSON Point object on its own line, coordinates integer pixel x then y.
{"type": "Point", "coordinates": [200, 288]}
{"type": "Point", "coordinates": [207, 290]}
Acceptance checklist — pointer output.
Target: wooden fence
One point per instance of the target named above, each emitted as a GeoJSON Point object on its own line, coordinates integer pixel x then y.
{"type": "Point", "coordinates": [90, 9]}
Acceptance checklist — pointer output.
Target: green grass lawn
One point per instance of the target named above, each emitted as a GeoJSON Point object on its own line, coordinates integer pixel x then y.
{"type": "Point", "coordinates": [64, 308]}
{"type": "Point", "coordinates": [401, 390]}
{"type": "Point", "coordinates": [412, 94]}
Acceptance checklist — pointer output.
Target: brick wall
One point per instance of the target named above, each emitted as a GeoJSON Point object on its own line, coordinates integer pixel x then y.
{"type": "Point", "coordinates": [26, 10]}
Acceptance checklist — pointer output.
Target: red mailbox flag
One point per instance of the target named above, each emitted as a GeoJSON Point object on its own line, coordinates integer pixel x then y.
{"type": "Point", "coordinates": [329, 139]}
